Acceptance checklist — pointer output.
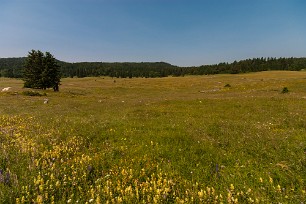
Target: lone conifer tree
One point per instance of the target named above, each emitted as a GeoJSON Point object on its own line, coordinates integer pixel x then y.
{"type": "Point", "coordinates": [41, 71]}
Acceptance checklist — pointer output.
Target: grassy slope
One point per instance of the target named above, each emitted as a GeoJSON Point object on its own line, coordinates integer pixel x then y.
{"type": "Point", "coordinates": [192, 127]}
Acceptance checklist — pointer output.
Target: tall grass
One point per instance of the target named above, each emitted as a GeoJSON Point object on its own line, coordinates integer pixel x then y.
{"type": "Point", "coordinates": [168, 140]}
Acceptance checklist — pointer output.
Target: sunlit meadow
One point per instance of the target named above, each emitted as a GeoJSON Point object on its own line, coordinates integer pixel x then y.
{"type": "Point", "coordinates": [193, 139]}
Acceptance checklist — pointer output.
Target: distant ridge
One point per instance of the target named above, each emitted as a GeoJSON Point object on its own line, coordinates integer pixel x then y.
{"type": "Point", "coordinates": [12, 67]}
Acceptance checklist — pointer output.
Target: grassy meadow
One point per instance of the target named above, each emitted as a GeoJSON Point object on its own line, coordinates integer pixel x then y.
{"type": "Point", "coordinates": [192, 139]}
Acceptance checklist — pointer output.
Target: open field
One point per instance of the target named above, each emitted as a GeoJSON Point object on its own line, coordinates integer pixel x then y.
{"type": "Point", "coordinates": [163, 140]}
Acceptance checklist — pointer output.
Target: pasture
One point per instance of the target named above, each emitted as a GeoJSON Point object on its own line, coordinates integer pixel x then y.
{"type": "Point", "coordinates": [192, 139]}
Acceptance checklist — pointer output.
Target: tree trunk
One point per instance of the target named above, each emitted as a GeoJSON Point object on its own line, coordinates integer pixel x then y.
{"type": "Point", "coordinates": [56, 88]}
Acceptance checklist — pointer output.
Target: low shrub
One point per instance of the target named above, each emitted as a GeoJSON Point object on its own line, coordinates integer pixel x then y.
{"type": "Point", "coordinates": [285, 90]}
{"type": "Point", "coordinates": [33, 93]}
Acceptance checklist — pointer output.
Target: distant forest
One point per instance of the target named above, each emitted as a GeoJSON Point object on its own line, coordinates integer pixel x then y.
{"type": "Point", "coordinates": [12, 68]}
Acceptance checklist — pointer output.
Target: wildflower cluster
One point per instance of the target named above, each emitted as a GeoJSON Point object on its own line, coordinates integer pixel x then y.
{"type": "Point", "coordinates": [69, 171]}
{"type": "Point", "coordinates": [62, 172]}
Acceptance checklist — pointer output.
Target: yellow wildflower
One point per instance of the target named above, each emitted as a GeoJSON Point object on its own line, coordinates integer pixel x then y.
{"type": "Point", "coordinates": [232, 187]}
{"type": "Point", "coordinates": [270, 180]}
{"type": "Point", "coordinates": [39, 199]}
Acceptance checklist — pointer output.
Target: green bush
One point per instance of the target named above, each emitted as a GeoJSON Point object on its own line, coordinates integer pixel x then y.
{"type": "Point", "coordinates": [285, 90]}
{"type": "Point", "coordinates": [33, 93]}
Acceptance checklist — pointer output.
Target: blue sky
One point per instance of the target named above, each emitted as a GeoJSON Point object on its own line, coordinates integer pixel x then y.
{"type": "Point", "coordinates": [181, 32]}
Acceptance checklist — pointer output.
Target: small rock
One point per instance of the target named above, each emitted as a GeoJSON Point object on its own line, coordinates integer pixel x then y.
{"type": "Point", "coordinates": [6, 89]}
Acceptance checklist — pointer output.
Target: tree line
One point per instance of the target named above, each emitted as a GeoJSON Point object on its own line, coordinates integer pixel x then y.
{"type": "Point", "coordinates": [13, 68]}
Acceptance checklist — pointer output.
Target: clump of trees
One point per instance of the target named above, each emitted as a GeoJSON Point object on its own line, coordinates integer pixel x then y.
{"type": "Point", "coordinates": [41, 71]}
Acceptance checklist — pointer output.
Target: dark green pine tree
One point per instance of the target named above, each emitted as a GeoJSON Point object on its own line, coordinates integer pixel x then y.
{"type": "Point", "coordinates": [32, 69]}
{"type": "Point", "coordinates": [41, 71]}
{"type": "Point", "coordinates": [51, 74]}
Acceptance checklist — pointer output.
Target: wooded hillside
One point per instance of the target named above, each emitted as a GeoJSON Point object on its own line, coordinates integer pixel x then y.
{"type": "Point", "coordinates": [12, 67]}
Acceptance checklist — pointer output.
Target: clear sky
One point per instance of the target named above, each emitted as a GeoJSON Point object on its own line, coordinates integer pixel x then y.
{"type": "Point", "coordinates": [181, 32]}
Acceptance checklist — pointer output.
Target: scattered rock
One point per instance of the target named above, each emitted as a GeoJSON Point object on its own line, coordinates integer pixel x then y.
{"type": "Point", "coordinates": [6, 89]}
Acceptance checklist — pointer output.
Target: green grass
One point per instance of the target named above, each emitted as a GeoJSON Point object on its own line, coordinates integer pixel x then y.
{"type": "Point", "coordinates": [167, 140]}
